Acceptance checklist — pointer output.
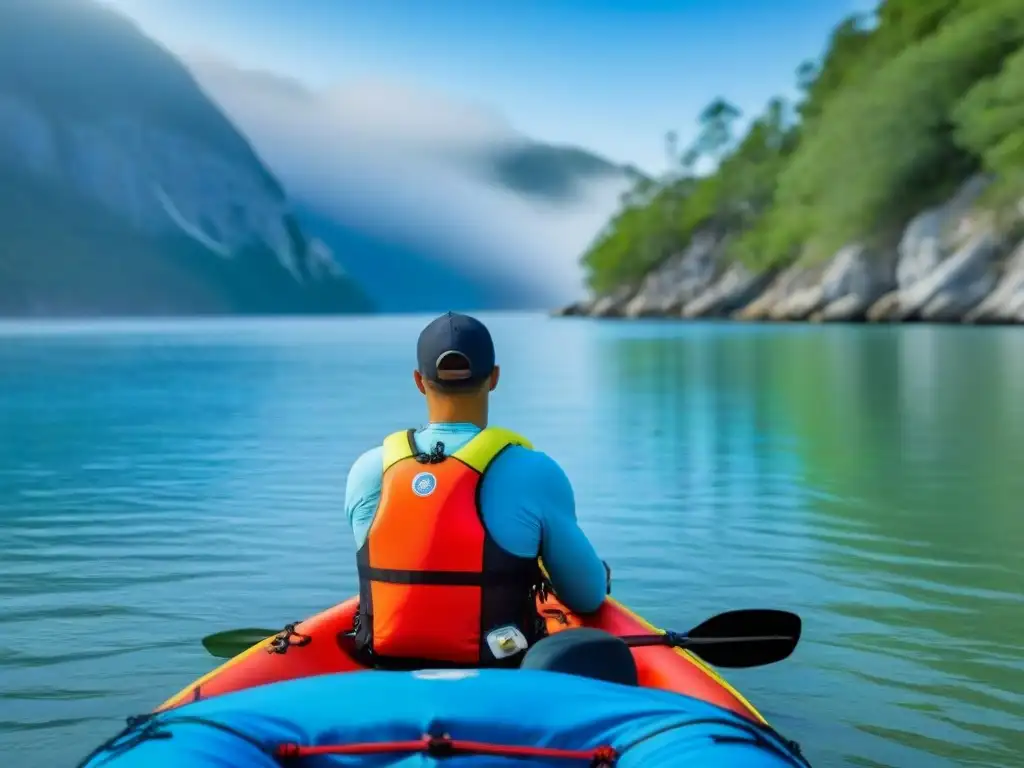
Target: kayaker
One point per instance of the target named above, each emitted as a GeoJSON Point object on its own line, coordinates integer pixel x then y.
{"type": "Point", "coordinates": [448, 547]}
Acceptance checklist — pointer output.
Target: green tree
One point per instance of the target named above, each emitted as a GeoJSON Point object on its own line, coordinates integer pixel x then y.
{"type": "Point", "coordinates": [672, 147]}
{"type": "Point", "coordinates": [903, 107]}
{"type": "Point", "coordinates": [881, 151]}
{"type": "Point", "coordinates": [840, 66]}
{"type": "Point", "coordinates": [990, 121]}
{"type": "Point", "coordinates": [717, 134]}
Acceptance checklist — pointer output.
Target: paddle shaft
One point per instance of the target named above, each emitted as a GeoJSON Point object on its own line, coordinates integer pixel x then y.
{"type": "Point", "coordinates": [639, 641]}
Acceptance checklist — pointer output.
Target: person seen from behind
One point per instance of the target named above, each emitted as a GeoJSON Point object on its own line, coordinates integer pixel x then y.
{"type": "Point", "coordinates": [449, 520]}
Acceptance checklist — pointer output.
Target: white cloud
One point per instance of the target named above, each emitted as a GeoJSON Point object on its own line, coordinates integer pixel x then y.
{"type": "Point", "coordinates": [388, 157]}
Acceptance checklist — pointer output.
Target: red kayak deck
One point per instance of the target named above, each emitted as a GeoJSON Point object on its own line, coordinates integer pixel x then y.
{"type": "Point", "coordinates": [658, 666]}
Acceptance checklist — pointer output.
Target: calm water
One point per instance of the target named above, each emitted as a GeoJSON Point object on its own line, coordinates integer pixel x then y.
{"type": "Point", "coordinates": [161, 483]}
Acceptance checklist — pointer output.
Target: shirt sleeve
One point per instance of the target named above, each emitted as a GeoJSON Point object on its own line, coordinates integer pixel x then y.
{"type": "Point", "coordinates": [362, 492]}
{"type": "Point", "coordinates": [576, 572]}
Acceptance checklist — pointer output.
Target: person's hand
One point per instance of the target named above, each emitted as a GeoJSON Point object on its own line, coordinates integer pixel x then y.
{"type": "Point", "coordinates": [607, 577]}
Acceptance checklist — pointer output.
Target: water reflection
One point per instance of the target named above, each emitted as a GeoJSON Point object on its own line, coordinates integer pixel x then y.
{"type": "Point", "coordinates": [939, 566]}
{"type": "Point", "coordinates": [876, 473]}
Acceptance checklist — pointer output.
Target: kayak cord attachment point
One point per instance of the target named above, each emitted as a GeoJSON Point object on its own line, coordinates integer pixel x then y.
{"type": "Point", "coordinates": [137, 729]}
{"type": "Point", "coordinates": [283, 640]}
{"type": "Point", "coordinates": [148, 727]}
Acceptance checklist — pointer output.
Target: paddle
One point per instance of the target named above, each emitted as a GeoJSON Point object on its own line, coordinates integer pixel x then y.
{"type": "Point", "coordinates": [753, 637]}
{"type": "Point", "coordinates": [226, 645]}
{"type": "Point", "coordinates": [734, 639]}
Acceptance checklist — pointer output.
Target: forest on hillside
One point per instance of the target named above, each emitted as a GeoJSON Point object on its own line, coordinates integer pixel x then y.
{"type": "Point", "coordinates": [905, 104]}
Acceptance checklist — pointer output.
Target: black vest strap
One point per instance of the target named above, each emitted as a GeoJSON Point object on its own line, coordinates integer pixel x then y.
{"type": "Point", "coordinates": [441, 578]}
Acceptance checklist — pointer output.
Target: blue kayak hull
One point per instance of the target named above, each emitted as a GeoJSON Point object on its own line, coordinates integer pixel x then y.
{"type": "Point", "coordinates": [648, 728]}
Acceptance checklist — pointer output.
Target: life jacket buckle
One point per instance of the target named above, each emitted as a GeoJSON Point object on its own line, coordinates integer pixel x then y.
{"type": "Point", "coordinates": [435, 456]}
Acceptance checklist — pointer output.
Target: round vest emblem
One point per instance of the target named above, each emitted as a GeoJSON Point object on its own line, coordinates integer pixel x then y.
{"type": "Point", "coordinates": [424, 484]}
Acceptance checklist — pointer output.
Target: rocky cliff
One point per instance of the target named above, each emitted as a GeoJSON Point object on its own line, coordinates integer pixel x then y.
{"type": "Point", "coordinates": [124, 190]}
{"type": "Point", "coordinates": [890, 189]}
{"type": "Point", "coordinates": [953, 263]}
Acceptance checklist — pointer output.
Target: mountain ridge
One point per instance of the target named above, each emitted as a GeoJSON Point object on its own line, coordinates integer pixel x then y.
{"type": "Point", "coordinates": [116, 167]}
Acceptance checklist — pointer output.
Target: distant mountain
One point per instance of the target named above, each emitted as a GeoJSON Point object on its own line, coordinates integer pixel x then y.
{"type": "Point", "coordinates": [428, 203]}
{"type": "Point", "coordinates": [125, 190]}
{"type": "Point", "coordinates": [555, 173]}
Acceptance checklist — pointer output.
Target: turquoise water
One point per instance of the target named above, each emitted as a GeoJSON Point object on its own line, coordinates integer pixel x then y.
{"type": "Point", "coordinates": [161, 482]}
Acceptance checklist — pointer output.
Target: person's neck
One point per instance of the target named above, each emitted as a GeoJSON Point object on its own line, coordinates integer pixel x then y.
{"type": "Point", "coordinates": [449, 412]}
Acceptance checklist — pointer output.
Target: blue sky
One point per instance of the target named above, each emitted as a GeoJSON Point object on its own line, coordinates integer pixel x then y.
{"type": "Point", "coordinates": [608, 76]}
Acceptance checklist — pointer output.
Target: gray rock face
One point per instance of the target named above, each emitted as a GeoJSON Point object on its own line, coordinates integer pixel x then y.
{"type": "Point", "coordinates": [947, 261]}
{"type": "Point", "coordinates": [1005, 303]}
{"type": "Point", "coordinates": [854, 280]}
{"type": "Point", "coordinates": [734, 289]}
{"type": "Point", "coordinates": [951, 264]}
{"type": "Point", "coordinates": [576, 309]}
{"type": "Point", "coordinates": [158, 181]}
{"type": "Point", "coordinates": [803, 296]}
{"type": "Point", "coordinates": [956, 284]}
{"type": "Point", "coordinates": [794, 294]}
{"type": "Point", "coordinates": [681, 279]}
{"type": "Point", "coordinates": [614, 304]}
{"type": "Point", "coordinates": [927, 238]}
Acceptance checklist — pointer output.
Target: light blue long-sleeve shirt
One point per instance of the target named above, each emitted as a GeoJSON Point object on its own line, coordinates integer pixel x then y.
{"type": "Point", "coordinates": [527, 505]}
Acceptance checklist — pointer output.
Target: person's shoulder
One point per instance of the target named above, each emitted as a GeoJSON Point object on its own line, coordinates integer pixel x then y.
{"type": "Point", "coordinates": [535, 459]}
{"type": "Point", "coordinates": [365, 477]}
{"type": "Point", "coordinates": [369, 463]}
{"type": "Point", "coordinates": [535, 468]}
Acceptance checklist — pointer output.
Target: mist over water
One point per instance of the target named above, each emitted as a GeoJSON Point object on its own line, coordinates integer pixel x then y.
{"type": "Point", "coordinates": [412, 167]}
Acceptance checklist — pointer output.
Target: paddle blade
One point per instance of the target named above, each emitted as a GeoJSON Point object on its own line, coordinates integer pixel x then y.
{"type": "Point", "coordinates": [227, 645]}
{"type": "Point", "coordinates": [745, 638]}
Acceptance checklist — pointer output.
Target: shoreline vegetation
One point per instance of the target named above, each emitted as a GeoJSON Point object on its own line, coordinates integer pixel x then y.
{"type": "Point", "coordinates": [891, 191]}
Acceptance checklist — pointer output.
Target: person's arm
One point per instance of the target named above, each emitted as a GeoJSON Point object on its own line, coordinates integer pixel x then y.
{"type": "Point", "coordinates": [577, 574]}
{"type": "Point", "coordinates": [362, 492]}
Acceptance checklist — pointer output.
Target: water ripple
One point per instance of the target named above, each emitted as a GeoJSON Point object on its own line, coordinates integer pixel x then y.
{"type": "Point", "coordinates": [163, 474]}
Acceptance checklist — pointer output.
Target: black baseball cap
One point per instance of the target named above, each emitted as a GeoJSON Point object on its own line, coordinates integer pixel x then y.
{"type": "Point", "coordinates": [461, 335]}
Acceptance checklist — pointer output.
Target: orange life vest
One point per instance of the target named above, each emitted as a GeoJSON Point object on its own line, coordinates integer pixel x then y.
{"type": "Point", "coordinates": [434, 587]}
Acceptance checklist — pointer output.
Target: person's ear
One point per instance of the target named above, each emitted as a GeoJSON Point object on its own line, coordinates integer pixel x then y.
{"type": "Point", "coordinates": [418, 378]}
{"type": "Point", "coordinates": [495, 375]}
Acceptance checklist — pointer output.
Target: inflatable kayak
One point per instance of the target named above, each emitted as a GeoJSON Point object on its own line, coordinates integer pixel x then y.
{"type": "Point", "coordinates": [302, 697]}
{"type": "Point", "coordinates": [316, 646]}
{"type": "Point", "coordinates": [457, 718]}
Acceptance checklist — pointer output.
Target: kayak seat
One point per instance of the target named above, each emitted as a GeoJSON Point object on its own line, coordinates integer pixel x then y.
{"type": "Point", "coordinates": [585, 652]}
